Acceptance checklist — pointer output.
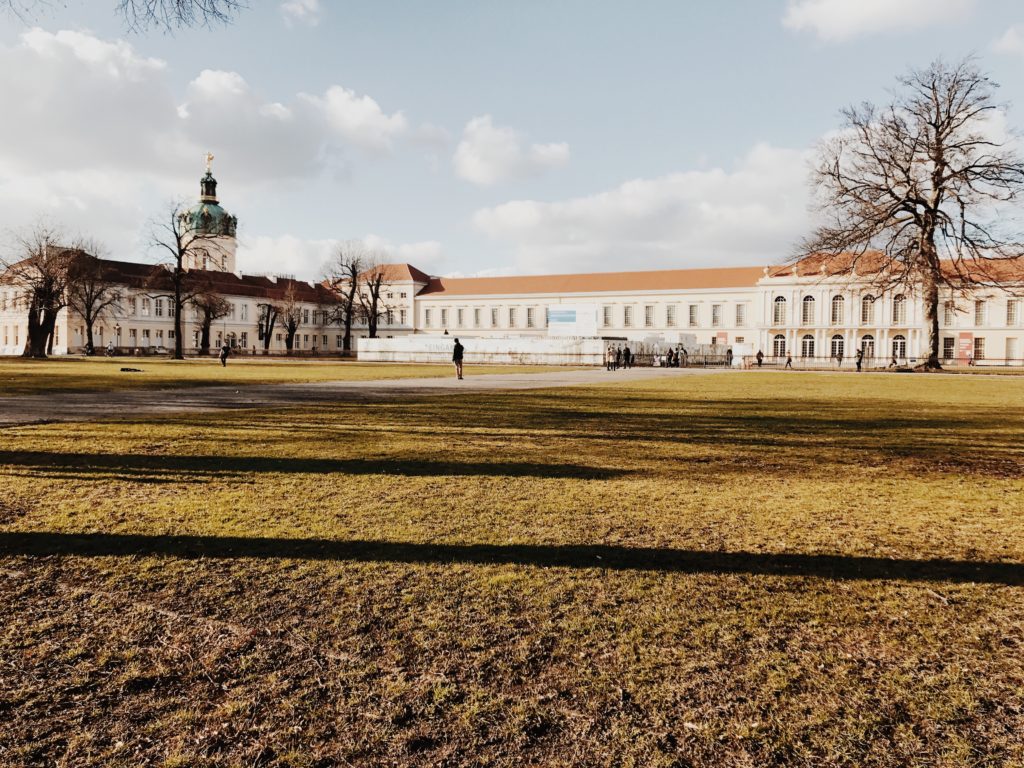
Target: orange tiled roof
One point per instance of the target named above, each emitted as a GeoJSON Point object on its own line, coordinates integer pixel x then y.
{"type": "Point", "coordinates": [597, 282]}
{"type": "Point", "coordinates": [1010, 270]}
{"type": "Point", "coordinates": [402, 273]}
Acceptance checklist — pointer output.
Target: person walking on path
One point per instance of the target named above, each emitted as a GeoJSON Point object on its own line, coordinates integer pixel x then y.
{"type": "Point", "coordinates": [627, 358]}
{"type": "Point", "coordinates": [110, 348]}
{"type": "Point", "coordinates": [225, 350]}
{"type": "Point", "coordinates": [839, 360]}
{"type": "Point", "coordinates": [457, 353]}
{"type": "Point", "coordinates": [618, 359]}
{"type": "Point", "coordinates": [609, 359]}
{"type": "Point", "coordinates": [789, 362]}
{"type": "Point", "coordinates": [860, 359]}
{"type": "Point", "coordinates": [760, 358]}
{"type": "Point", "coordinates": [728, 358]}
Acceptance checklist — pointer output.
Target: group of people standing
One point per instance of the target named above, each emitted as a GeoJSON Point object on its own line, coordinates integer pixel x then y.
{"type": "Point", "coordinates": [618, 358]}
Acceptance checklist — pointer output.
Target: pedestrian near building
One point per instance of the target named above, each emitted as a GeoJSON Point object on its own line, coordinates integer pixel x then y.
{"type": "Point", "coordinates": [789, 362]}
{"type": "Point", "coordinates": [860, 359]}
{"type": "Point", "coordinates": [457, 354]}
{"type": "Point", "coordinates": [627, 358]}
{"type": "Point", "coordinates": [609, 359]}
{"type": "Point", "coordinates": [225, 350]}
{"type": "Point", "coordinates": [760, 358]}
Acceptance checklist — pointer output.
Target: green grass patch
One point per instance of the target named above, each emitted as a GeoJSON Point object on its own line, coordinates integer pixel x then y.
{"type": "Point", "coordinates": [729, 570]}
{"type": "Point", "coordinates": [26, 377]}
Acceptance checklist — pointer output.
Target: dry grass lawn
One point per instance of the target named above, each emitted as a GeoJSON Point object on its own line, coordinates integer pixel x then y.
{"type": "Point", "coordinates": [731, 570]}
{"type": "Point", "coordinates": [26, 377]}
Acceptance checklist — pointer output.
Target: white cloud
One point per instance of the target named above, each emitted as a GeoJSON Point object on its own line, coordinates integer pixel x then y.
{"type": "Point", "coordinates": [844, 19]}
{"type": "Point", "coordinates": [748, 215]}
{"type": "Point", "coordinates": [489, 153]}
{"type": "Point", "coordinates": [97, 135]}
{"type": "Point", "coordinates": [1011, 42]}
{"type": "Point", "coordinates": [301, 12]}
{"type": "Point", "coordinates": [359, 119]}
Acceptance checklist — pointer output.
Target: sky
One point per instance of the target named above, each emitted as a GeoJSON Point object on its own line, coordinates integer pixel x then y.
{"type": "Point", "coordinates": [466, 138]}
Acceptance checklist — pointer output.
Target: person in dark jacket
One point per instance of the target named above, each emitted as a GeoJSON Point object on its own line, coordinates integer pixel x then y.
{"type": "Point", "coordinates": [760, 358]}
{"type": "Point", "coordinates": [627, 358]}
{"type": "Point", "coordinates": [225, 350]}
{"type": "Point", "coordinates": [457, 353]}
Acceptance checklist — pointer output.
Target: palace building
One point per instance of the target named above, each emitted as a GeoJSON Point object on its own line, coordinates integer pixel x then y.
{"type": "Point", "coordinates": [805, 310]}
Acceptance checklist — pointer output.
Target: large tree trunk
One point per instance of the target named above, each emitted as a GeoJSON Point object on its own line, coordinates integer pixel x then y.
{"type": "Point", "coordinates": [931, 313]}
{"type": "Point", "coordinates": [289, 341]}
{"type": "Point", "coordinates": [88, 333]}
{"type": "Point", "coordinates": [179, 342]}
{"type": "Point", "coordinates": [204, 336]}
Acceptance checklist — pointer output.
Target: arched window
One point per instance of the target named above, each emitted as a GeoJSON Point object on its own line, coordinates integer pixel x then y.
{"type": "Point", "coordinates": [779, 345]}
{"type": "Point", "coordinates": [899, 310]}
{"type": "Point", "coordinates": [808, 310]}
{"type": "Point", "coordinates": [838, 345]}
{"type": "Point", "coordinates": [867, 346]}
{"type": "Point", "coordinates": [807, 346]}
{"type": "Point", "coordinates": [867, 310]}
{"type": "Point", "coordinates": [779, 316]}
{"type": "Point", "coordinates": [838, 305]}
{"type": "Point", "coordinates": [899, 347]}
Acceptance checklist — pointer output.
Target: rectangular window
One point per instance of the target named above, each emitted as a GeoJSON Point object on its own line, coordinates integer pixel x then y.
{"type": "Point", "coordinates": [494, 317]}
{"type": "Point", "coordinates": [476, 317]}
{"type": "Point", "coordinates": [402, 295]}
{"type": "Point", "coordinates": [529, 317]}
{"type": "Point", "coordinates": [670, 315]}
{"type": "Point", "coordinates": [244, 338]}
{"type": "Point", "coordinates": [606, 316]}
{"type": "Point", "coordinates": [160, 338]}
{"type": "Point", "coordinates": [158, 307]}
{"type": "Point", "coordinates": [979, 347]}
{"type": "Point", "coordinates": [648, 316]}
{"type": "Point", "coordinates": [133, 306]}
{"type": "Point", "coordinates": [145, 337]}
{"type": "Point", "coordinates": [339, 341]}
{"type": "Point", "coordinates": [948, 347]}
{"type": "Point", "coordinates": [428, 319]}
{"type": "Point", "coordinates": [511, 317]}
{"type": "Point", "coordinates": [245, 314]}
{"type": "Point", "coordinates": [402, 316]}
{"type": "Point", "coordinates": [170, 308]}
{"type": "Point", "coordinates": [170, 335]}
{"type": "Point", "coordinates": [444, 317]}
{"type": "Point", "coordinates": [458, 317]}
{"type": "Point", "coordinates": [979, 313]}
{"type": "Point", "coordinates": [948, 314]}
{"type": "Point", "coordinates": [1012, 312]}
{"type": "Point", "coordinates": [739, 339]}
{"type": "Point", "coordinates": [133, 337]}
{"type": "Point", "coordinates": [323, 341]}
{"type": "Point", "coordinates": [627, 317]}
{"type": "Point", "coordinates": [694, 316]}
{"type": "Point", "coordinates": [389, 317]}
{"type": "Point", "coordinates": [741, 315]}
{"type": "Point", "coordinates": [145, 307]}
{"type": "Point", "coordinates": [305, 317]}
{"type": "Point", "coordinates": [716, 315]}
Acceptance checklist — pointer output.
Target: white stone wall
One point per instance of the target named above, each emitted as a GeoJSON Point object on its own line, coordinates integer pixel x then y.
{"type": "Point", "coordinates": [517, 350]}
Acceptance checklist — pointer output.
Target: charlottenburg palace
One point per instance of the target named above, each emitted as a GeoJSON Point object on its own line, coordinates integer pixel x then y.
{"type": "Point", "coordinates": [802, 310]}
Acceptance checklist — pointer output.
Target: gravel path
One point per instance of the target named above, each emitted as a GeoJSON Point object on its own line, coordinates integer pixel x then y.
{"type": "Point", "coordinates": [91, 406]}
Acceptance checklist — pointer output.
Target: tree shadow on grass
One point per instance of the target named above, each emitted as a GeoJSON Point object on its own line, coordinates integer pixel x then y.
{"type": "Point", "coordinates": [618, 558]}
{"type": "Point", "coordinates": [160, 468]}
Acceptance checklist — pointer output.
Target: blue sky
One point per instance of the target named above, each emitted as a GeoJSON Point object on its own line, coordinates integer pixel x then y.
{"type": "Point", "coordinates": [466, 137]}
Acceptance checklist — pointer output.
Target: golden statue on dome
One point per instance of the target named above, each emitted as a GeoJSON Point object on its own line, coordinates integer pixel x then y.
{"type": "Point", "coordinates": [208, 157]}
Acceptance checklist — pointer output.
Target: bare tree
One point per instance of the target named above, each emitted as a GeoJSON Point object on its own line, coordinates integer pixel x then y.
{"type": "Point", "coordinates": [267, 320]}
{"type": "Point", "coordinates": [39, 272]}
{"type": "Point", "coordinates": [144, 14]}
{"type": "Point", "coordinates": [289, 311]}
{"type": "Point", "coordinates": [917, 192]}
{"type": "Point", "coordinates": [372, 282]}
{"type": "Point", "coordinates": [172, 235]}
{"type": "Point", "coordinates": [210, 306]}
{"type": "Point", "coordinates": [92, 290]}
{"type": "Point", "coordinates": [343, 278]}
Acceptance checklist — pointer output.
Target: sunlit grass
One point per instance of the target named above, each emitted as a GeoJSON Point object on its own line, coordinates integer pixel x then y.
{"type": "Point", "coordinates": [23, 377]}
{"type": "Point", "coordinates": [749, 569]}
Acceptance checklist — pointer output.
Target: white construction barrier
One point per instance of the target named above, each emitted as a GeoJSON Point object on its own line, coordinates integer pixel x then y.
{"type": "Point", "coordinates": [510, 350]}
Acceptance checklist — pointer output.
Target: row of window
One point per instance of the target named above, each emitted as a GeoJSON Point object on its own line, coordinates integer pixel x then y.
{"type": "Point", "coordinates": [837, 347]}
{"type": "Point", "coordinates": [533, 315]}
{"type": "Point", "coordinates": [693, 316]}
{"type": "Point", "coordinates": [899, 311]}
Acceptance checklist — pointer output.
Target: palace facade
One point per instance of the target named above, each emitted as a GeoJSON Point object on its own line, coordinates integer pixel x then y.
{"type": "Point", "coordinates": [801, 310]}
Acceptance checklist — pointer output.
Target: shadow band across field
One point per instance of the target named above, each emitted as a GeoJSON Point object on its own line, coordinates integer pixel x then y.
{"type": "Point", "coordinates": [162, 468]}
{"type": "Point", "coordinates": [839, 567]}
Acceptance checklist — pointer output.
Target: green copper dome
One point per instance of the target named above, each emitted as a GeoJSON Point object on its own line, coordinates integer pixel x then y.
{"type": "Point", "coordinates": [207, 217]}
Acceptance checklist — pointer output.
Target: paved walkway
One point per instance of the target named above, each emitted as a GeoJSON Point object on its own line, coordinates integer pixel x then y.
{"type": "Point", "coordinates": [90, 406]}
